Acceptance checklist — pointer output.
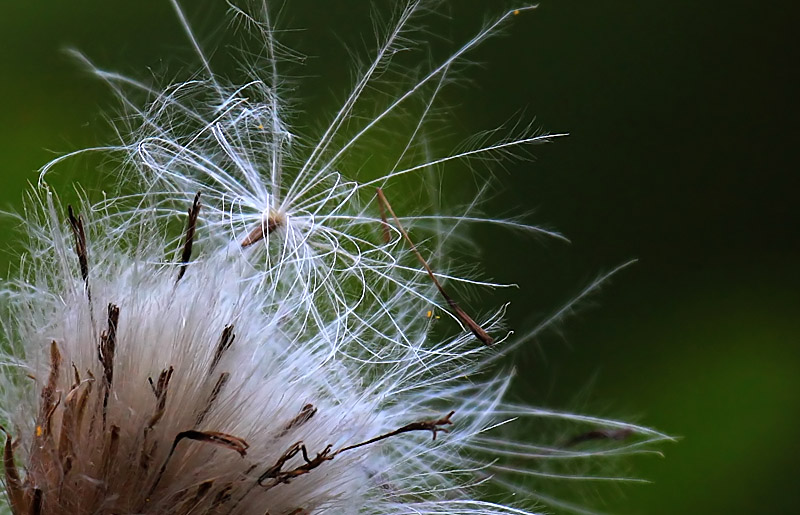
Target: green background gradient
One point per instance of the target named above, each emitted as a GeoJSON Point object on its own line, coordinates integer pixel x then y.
{"type": "Point", "coordinates": [683, 122]}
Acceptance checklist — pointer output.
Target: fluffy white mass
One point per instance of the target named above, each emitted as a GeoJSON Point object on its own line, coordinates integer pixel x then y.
{"type": "Point", "coordinates": [247, 326]}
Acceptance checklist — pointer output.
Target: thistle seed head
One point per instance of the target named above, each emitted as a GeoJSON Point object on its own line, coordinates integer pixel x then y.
{"type": "Point", "coordinates": [246, 332]}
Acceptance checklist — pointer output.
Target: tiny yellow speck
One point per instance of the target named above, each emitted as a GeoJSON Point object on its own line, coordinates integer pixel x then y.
{"type": "Point", "coordinates": [516, 12]}
{"type": "Point", "coordinates": [429, 313]}
{"type": "Point", "coordinates": [260, 126]}
{"type": "Point", "coordinates": [38, 430]}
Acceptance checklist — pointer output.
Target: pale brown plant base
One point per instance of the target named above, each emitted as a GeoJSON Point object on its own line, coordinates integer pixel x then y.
{"type": "Point", "coordinates": [85, 459]}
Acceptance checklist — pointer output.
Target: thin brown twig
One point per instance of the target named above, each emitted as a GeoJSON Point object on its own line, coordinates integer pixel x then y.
{"type": "Point", "coordinates": [385, 229]}
{"type": "Point", "coordinates": [473, 326]}
{"type": "Point", "coordinates": [434, 426]}
{"type": "Point", "coordinates": [76, 223]}
{"type": "Point", "coordinates": [36, 502]}
{"type": "Point", "coordinates": [160, 391]}
{"type": "Point", "coordinates": [218, 386]}
{"type": "Point", "coordinates": [13, 483]}
{"type": "Point", "coordinates": [191, 226]}
{"type": "Point", "coordinates": [211, 437]}
{"type": "Point", "coordinates": [301, 418]}
{"type": "Point", "coordinates": [225, 341]}
{"type": "Point", "coordinates": [106, 350]}
{"type": "Point", "coordinates": [278, 476]}
{"type": "Point", "coordinates": [48, 395]}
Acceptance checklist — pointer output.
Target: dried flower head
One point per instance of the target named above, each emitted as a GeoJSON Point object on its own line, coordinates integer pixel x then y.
{"type": "Point", "coordinates": [246, 326]}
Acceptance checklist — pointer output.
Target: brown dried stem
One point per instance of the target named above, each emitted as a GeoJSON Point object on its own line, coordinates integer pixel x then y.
{"type": "Point", "coordinates": [13, 483]}
{"type": "Point", "coordinates": [225, 341]}
{"type": "Point", "coordinates": [106, 350]}
{"type": "Point", "coordinates": [76, 223]}
{"type": "Point", "coordinates": [211, 437]}
{"type": "Point", "coordinates": [473, 326]}
{"type": "Point", "coordinates": [191, 226]}
{"type": "Point", "coordinates": [278, 476]}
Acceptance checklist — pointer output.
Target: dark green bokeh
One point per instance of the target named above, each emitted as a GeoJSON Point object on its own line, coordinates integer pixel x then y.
{"type": "Point", "coordinates": [683, 119]}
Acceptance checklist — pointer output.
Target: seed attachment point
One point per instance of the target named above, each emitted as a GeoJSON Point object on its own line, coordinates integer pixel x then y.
{"type": "Point", "coordinates": [268, 225]}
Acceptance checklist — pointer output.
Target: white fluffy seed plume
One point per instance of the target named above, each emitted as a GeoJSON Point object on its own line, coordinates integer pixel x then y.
{"type": "Point", "coordinates": [249, 324]}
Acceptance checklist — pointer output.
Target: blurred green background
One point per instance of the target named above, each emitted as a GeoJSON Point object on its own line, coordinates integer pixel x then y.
{"type": "Point", "coordinates": [683, 122]}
